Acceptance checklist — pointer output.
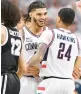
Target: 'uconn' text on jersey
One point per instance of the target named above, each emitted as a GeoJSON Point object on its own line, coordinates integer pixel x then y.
{"type": "Point", "coordinates": [31, 46]}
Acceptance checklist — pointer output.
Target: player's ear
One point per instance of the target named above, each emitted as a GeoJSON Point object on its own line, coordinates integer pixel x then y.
{"type": "Point", "coordinates": [31, 14]}
{"type": "Point", "coordinates": [58, 19]}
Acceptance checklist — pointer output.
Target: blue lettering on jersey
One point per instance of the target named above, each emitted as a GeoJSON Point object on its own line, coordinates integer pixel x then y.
{"type": "Point", "coordinates": [28, 39]}
{"type": "Point", "coordinates": [30, 46]}
{"type": "Point", "coordinates": [66, 38]}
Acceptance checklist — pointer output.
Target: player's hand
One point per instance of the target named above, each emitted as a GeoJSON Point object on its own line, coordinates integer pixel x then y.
{"type": "Point", "coordinates": [76, 73]}
{"type": "Point", "coordinates": [32, 70]}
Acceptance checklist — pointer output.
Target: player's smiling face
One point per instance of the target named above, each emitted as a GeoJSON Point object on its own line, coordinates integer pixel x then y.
{"type": "Point", "coordinates": [39, 16]}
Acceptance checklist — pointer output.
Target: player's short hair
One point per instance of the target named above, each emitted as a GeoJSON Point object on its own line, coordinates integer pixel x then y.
{"type": "Point", "coordinates": [35, 5]}
{"type": "Point", "coordinates": [26, 18]}
{"type": "Point", "coordinates": [10, 14]}
{"type": "Point", "coordinates": [67, 15]}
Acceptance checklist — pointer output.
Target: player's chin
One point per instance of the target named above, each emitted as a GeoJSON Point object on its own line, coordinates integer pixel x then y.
{"type": "Point", "coordinates": [41, 25]}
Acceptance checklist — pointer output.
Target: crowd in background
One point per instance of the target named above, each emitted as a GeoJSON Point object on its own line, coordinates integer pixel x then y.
{"type": "Point", "coordinates": [53, 7]}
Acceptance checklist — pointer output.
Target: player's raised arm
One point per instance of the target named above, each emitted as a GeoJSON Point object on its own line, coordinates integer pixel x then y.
{"type": "Point", "coordinates": [45, 41]}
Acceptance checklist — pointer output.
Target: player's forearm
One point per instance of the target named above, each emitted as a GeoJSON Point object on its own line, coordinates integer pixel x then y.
{"type": "Point", "coordinates": [77, 68]}
{"type": "Point", "coordinates": [78, 62]}
{"type": "Point", "coordinates": [38, 57]}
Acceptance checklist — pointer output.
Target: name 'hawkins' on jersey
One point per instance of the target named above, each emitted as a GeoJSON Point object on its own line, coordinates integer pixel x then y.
{"type": "Point", "coordinates": [61, 54]}
{"type": "Point", "coordinates": [30, 43]}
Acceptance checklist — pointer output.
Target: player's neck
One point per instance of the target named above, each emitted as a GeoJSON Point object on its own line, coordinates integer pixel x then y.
{"type": "Point", "coordinates": [64, 26]}
{"type": "Point", "coordinates": [35, 29]}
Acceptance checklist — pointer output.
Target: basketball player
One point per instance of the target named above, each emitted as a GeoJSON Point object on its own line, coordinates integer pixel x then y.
{"type": "Point", "coordinates": [37, 15]}
{"type": "Point", "coordinates": [11, 59]}
{"type": "Point", "coordinates": [60, 50]}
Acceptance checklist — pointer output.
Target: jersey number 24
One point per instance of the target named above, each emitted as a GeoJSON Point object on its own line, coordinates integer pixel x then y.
{"type": "Point", "coordinates": [62, 54]}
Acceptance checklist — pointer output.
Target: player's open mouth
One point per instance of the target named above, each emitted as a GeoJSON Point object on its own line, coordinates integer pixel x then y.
{"type": "Point", "coordinates": [41, 21]}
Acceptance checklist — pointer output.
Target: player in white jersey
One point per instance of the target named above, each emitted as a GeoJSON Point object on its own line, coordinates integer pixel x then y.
{"type": "Point", "coordinates": [60, 50]}
{"type": "Point", "coordinates": [37, 13]}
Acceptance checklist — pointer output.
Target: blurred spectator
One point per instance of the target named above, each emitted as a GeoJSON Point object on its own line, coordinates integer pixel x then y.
{"type": "Point", "coordinates": [48, 3]}
{"type": "Point", "coordinates": [56, 6]}
{"type": "Point", "coordinates": [77, 8]}
{"type": "Point", "coordinates": [73, 27]}
{"type": "Point", "coordinates": [78, 4]}
{"type": "Point", "coordinates": [51, 23]}
{"type": "Point", "coordinates": [64, 2]}
{"type": "Point", "coordinates": [23, 5]}
{"type": "Point", "coordinates": [14, 2]}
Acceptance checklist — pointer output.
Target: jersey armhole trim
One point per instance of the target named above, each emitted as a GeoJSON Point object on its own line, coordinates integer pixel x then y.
{"type": "Point", "coordinates": [23, 35]}
{"type": "Point", "coordinates": [77, 43]}
{"type": "Point", "coordinates": [6, 38]}
{"type": "Point", "coordinates": [52, 38]}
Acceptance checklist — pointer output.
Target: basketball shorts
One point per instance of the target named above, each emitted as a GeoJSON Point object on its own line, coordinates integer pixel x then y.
{"type": "Point", "coordinates": [10, 84]}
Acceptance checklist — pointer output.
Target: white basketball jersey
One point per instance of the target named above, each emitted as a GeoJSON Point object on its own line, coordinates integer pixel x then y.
{"type": "Point", "coordinates": [30, 43]}
{"type": "Point", "coordinates": [61, 55]}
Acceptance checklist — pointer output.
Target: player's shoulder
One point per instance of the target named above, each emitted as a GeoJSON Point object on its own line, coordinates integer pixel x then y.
{"type": "Point", "coordinates": [55, 30]}
{"type": "Point", "coordinates": [3, 30]}
{"type": "Point", "coordinates": [78, 39]}
{"type": "Point", "coordinates": [60, 30]}
{"type": "Point", "coordinates": [48, 32]}
{"type": "Point", "coordinates": [4, 35]}
{"type": "Point", "coordinates": [25, 30]}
